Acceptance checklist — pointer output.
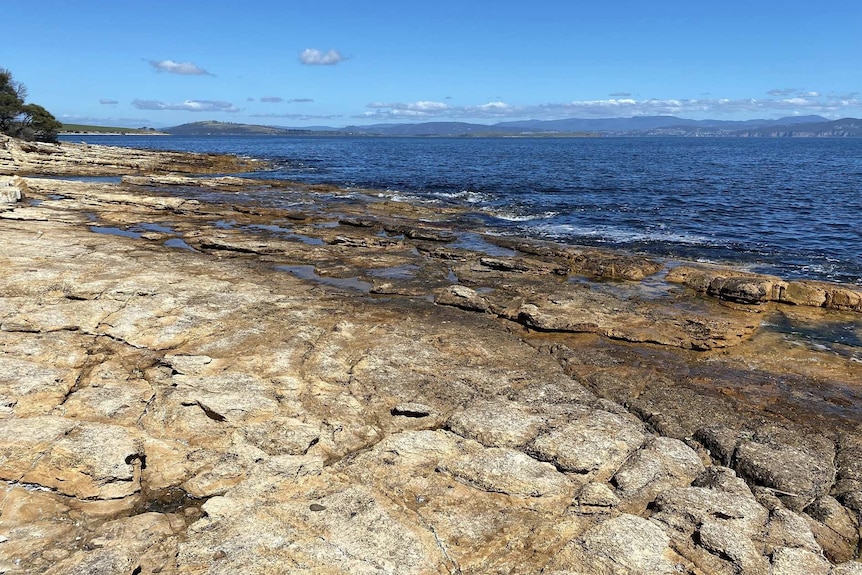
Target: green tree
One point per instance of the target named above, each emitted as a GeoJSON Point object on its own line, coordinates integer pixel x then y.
{"type": "Point", "coordinates": [39, 124]}
{"type": "Point", "coordinates": [22, 120]}
{"type": "Point", "coordinates": [12, 95]}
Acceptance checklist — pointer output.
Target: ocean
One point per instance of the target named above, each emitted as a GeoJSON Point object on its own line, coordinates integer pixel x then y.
{"type": "Point", "coordinates": [790, 207]}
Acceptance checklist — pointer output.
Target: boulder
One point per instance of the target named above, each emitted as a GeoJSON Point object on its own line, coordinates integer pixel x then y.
{"type": "Point", "coordinates": [11, 189]}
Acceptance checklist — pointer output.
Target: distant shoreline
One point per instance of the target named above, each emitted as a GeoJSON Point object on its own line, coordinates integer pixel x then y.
{"type": "Point", "coordinates": [113, 134]}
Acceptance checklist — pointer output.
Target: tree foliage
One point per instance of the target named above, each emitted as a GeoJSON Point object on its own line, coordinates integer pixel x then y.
{"type": "Point", "coordinates": [20, 119]}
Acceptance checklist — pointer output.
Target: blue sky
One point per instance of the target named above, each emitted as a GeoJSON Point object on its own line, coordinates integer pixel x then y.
{"type": "Point", "coordinates": [337, 63]}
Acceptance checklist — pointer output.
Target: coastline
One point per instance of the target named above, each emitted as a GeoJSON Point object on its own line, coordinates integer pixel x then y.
{"type": "Point", "coordinates": [252, 388]}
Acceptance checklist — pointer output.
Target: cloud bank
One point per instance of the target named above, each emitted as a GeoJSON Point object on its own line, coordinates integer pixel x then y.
{"type": "Point", "coordinates": [187, 106]}
{"type": "Point", "coordinates": [313, 57]}
{"type": "Point", "coordinates": [182, 68]}
{"type": "Point", "coordinates": [272, 99]}
{"type": "Point", "coordinates": [108, 102]}
{"type": "Point", "coordinates": [303, 117]}
{"type": "Point", "coordinates": [799, 103]}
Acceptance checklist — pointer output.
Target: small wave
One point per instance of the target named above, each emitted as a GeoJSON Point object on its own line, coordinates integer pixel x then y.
{"type": "Point", "coordinates": [616, 235]}
{"type": "Point", "coordinates": [514, 217]}
{"type": "Point", "coordinates": [468, 196]}
{"type": "Point", "coordinates": [401, 197]}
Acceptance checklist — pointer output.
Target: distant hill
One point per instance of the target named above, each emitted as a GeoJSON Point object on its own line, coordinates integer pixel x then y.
{"type": "Point", "coordinates": [212, 128]}
{"type": "Point", "coordinates": [432, 129]}
{"type": "Point", "coordinates": [844, 128]}
{"type": "Point", "coordinates": [793, 126]}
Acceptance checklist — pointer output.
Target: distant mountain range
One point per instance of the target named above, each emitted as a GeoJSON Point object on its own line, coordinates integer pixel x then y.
{"type": "Point", "coordinates": [790, 127]}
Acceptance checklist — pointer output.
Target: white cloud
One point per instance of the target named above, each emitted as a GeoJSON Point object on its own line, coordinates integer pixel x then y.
{"type": "Point", "coordinates": [183, 68]}
{"type": "Point", "coordinates": [187, 106]}
{"type": "Point", "coordinates": [831, 106]}
{"type": "Point", "coordinates": [300, 100]}
{"type": "Point", "coordinates": [312, 57]}
{"type": "Point", "coordinates": [108, 102]}
{"type": "Point", "coordinates": [423, 108]}
{"type": "Point", "coordinates": [297, 116]}
{"type": "Point", "coordinates": [272, 99]}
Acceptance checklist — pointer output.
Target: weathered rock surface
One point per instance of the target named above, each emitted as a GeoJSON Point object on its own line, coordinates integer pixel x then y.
{"type": "Point", "coordinates": [11, 189]}
{"type": "Point", "coordinates": [190, 386]}
{"type": "Point", "coordinates": [19, 157]}
{"type": "Point", "coordinates": [756, 289]}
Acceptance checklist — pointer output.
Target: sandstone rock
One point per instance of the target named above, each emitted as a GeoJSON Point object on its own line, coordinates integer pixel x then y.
{"type": "Point", "coordinates": [24, 441]}
{"type": "Point", "coordinates": [417, 410]}
{"type": "Point", "coordinates": [30, 388]}
{"type": "Point", "coordinates": [792, 561]}
{"type": "Point", "coordinates": [87, 159]}
{"type": "Point", "coordinates": [98, 562]}
{"type": "Point", "coordinates": [848, 568]}
{"type": "Point", "coordinates": [848, 462]}
{"type": "Point", "coordinates": [187, 364]}
{"type": "Point", "coordinates": [594, 445]}
{"type": "Point", "coordinates": [498, 423]}
{"type": "Point", "coordinates": [750, 290]}
{"type": "Point", "coordinates": [90, 461]}
{"type": "Point", "coordinates": [787, 529]}
{"type": "Point", "coordinates": [662, 463]}
{"type": "Point", "coordinates": [230, 397]}
{"type": "Point", "coordinates": [624, 544]}
{"type": "Point", "coordinates": [755, 289]}
{"type": "Point", "coordinates": [720, 441]}
{"type": "Point", "coordinates": [584, 311]}
{"type": "Point", "coordinates": [723, 540]}
{"type": "Point", "coordinates": [11, 189]}
{"type": "Point", "coordinates": [834, 527]}
{"type": "Point", "coordinates": [722, 505]}
{"type": "Point", "coordinates": [595, 494]}
{"type": "Point", "coordinates": [281, 435]}
{"type": "Point", "coordinates": [504, 470]}
{"type": "Point", "coordinates": [613, 266]}
{"type": "Point", "coordinates": [798, 476]}
{"type": "Point", "coordinates": [804, 293]}
{"type": "Point", "coordinates": [462, 297]}
{"type": "Point", "coordinates": [350, 531]}
{"type": "Point", "coordinates": [725, 284]}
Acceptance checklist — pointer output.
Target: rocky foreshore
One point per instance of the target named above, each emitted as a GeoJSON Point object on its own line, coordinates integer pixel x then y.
{"type": "Point", "coordinates": [192, 381]}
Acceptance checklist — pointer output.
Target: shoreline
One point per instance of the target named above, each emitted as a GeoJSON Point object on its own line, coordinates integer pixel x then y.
{"type": "Point", "coordinates": [229, 375]}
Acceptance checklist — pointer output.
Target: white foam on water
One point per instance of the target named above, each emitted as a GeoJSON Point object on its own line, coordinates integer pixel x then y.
{"type": "Point", "coordinates": [468, 196]}
{"type": "Point", "coordinates": [514, 217]}
{"type": "Point", "coordinates": [616, 235]}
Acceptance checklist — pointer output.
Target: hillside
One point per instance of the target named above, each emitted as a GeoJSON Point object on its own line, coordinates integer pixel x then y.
{"type": "Point", "coordinates": [844, 128]}
{"type": "Point", "coordinates": [213, 128]}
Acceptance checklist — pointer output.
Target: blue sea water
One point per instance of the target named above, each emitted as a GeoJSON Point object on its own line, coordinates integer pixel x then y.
{"type": "Point", "coordinates": [792, 207]}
